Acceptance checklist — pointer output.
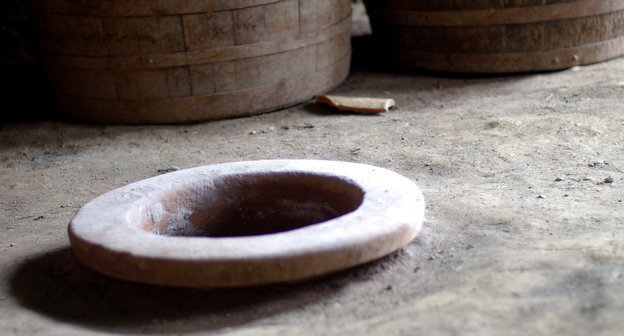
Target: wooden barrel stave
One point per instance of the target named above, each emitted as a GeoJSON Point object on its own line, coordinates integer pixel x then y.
{"type": "Point", "coordinates": [130, 83]}
{"type": "Point", "coordinates": [98, 73]}
{"type": "Point", "coordinates": [126, 36]}
{"type": "Point", "coordinates": [469, 5]}
{"type": "Point", "coordinates": [446, 36]}
{"type": "Point", "coordinates": [212, 55]}
{"type": "Point", "coordinates": [140, 7]}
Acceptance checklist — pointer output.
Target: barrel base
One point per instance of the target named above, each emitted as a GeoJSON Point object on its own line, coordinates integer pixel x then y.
{"type": "Point", "coordinates": [499, 37]}
{"type": "Point", "coordinates": [210, 107]}
{"type": "Point", "coordinates": [188, 61]}
{"type": "Point", "coordinates": [549, 60]}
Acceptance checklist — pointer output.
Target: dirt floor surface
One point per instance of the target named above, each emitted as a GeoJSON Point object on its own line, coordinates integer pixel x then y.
{"type": "Point", "coordinates": [523, 177]}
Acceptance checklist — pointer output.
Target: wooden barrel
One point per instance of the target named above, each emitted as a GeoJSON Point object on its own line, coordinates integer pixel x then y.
{"type": "Point", "coordinates": [163, 61]}
{"type": "Point", "coordinates": [499, 36]}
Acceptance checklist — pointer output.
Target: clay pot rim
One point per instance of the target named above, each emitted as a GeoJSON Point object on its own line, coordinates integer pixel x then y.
{"type": "Point", "coordinates": [390, 215]}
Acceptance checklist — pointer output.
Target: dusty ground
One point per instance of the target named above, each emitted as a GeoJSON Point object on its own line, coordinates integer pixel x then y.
{"type": "Point", "coordinates": [523, 177]}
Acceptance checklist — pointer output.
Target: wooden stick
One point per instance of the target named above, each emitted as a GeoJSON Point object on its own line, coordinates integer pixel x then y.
{"type": "Point", "coordinates": [358, 104]}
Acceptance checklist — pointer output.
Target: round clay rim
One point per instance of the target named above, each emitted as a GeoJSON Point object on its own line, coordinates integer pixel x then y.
{"type": "Point", "coordinates": [105, 235]}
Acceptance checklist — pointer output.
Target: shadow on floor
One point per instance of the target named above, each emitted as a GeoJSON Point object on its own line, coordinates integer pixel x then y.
{"type": "Point", "coordinates": [26, 94]}
{"type": "Point", "coordinates": [56, 285]}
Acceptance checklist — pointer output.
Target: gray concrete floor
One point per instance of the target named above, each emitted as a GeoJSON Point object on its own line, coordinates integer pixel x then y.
{"type": "Point", "coordinates": [523, 177]}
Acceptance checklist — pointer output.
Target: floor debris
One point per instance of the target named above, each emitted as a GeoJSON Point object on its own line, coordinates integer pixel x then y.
{"type": "Point", "coordinates": [358, 104]}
